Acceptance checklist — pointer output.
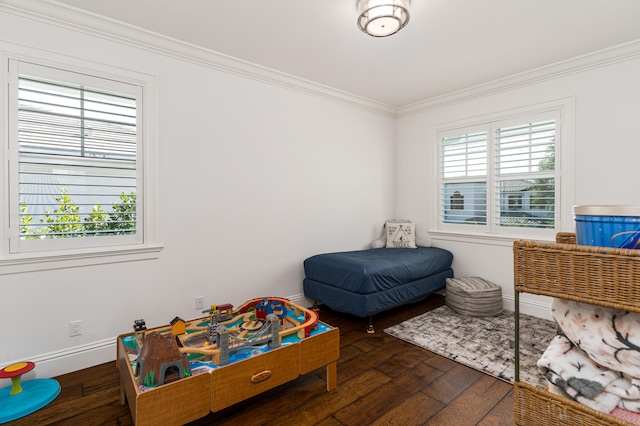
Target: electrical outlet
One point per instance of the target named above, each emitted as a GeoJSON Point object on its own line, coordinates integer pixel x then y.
{"type": "Point", "coordinates": [75, 328]}
{"type": "Point", "coordinates": [199, 302]}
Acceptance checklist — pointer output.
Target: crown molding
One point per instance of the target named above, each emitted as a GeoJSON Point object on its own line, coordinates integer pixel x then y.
{"type": "Point", "coordinates": [620, 53]}
{"type": "Point", "coordinates": [77, 20]}
{"type": "Point", "coordinates": [54, 13]}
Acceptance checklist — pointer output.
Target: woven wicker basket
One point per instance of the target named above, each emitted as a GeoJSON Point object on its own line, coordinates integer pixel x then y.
{"type": "Point", "coordinates": [595, 275]}
{"type": "Point", "coordinates": [538, 407]}
{"type": "Point", "coordinates": [566, 238]}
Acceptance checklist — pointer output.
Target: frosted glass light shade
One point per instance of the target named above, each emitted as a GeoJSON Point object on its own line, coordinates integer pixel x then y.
{"type": "Point", "coordinates": [382, 18]}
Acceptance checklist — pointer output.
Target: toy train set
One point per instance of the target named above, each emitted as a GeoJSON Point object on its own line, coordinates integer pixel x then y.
{"type": "Point", "coordinates": [184, 348]}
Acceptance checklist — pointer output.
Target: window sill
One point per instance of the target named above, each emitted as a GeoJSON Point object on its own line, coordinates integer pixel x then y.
{"type": "Point", "coordinates": [490, 239]}
{"type": "Point", "coordinates": [34, 262]}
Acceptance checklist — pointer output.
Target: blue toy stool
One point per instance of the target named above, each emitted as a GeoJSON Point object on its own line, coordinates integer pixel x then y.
{"type": "Point", "coordinates": [21, 399]}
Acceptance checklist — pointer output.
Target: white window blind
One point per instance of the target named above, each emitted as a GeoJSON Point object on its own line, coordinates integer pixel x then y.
{"type": "Point", "coordinates": [77, 147]}
{"type": "Point", "coordinates": [64, 119]}
{"type": "Point", "coordinates": [525, 174]}
{"type": "Point", "coordinates": [464, 175]}
{"type": "Point", "coordinates": [496, 183]}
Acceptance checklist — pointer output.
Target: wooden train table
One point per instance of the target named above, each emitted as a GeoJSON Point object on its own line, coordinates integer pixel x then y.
{"type": "Point", "coordinates": [180, 372]}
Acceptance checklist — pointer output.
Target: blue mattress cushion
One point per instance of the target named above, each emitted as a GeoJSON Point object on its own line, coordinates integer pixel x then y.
{"type": "Point", "coordinates": [374, 270]}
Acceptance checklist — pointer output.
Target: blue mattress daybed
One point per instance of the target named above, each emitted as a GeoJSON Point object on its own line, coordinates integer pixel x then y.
{"type": "Point", "coordinates": [366, 282]}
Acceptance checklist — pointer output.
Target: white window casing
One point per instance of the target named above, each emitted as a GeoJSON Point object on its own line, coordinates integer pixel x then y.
{"type": "Point", "coordinates": [85, 137]}
{"type": "Point", "coordinates": [502, 176]}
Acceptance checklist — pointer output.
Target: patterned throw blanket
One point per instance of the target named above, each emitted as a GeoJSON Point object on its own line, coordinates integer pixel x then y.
{"type": "Point", "coordinates": [596, 360]}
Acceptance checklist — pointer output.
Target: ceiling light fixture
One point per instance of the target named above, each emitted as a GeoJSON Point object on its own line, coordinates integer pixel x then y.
{"type": "Point", "coordinates": [382, 18]}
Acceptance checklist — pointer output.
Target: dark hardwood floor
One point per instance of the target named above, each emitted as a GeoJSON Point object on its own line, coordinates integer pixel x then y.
{"type": "Point", "coordinates": [381, 381]}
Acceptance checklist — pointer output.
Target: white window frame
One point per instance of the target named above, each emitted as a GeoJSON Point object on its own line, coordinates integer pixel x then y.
{"type": "Point", "coordinates": [564, 185]}
{"type": "Point", "coordinates": [57, 253]}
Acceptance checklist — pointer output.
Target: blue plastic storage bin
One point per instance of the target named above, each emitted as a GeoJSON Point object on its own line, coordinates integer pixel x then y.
{"type": "Point", "coordinates": [608, 226]}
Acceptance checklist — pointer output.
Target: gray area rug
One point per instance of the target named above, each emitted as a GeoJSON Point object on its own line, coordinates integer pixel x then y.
{"type": "Point", "coordinates": [483, 343]}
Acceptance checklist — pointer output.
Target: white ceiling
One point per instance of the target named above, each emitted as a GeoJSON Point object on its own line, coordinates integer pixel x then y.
{"type": "Point", "coordinates": [447, 46]}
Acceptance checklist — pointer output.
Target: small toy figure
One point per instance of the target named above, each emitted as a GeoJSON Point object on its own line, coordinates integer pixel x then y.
{"type": "Point", "coordinates": [139, 327]}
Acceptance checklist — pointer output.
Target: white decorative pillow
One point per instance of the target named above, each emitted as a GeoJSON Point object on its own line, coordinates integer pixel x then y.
{"type": "Point", "coordinates": [400, 234]}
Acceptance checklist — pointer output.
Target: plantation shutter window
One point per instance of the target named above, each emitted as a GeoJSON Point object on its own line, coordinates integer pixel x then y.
{"type": "Point", "coordinates": [525, 174]}
{"type": "Point", "coordinates": [500, 175]}
{"type": "Point", "coordinates": [464, 174]}
{"type": "Point", "coordinates": [76, 148]}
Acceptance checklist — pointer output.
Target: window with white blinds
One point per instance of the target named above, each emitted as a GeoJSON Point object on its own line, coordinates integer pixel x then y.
{"type": "Point", "coordinates": [525, 174]}
{"type": "Point", "coordinates": [464, 176]}
{"type": "Point", "coordinates": [500, 175]}
{"type": "Point", "coordinates": [75, 152]}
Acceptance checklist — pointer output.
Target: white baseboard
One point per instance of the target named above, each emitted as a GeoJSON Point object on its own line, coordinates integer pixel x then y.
{"type": "Point", "coordinates": [72, 359]}
{"type": "Point", "coordinates": [300, 299]}
{"type": "Point", "coordinates": [541, 309]}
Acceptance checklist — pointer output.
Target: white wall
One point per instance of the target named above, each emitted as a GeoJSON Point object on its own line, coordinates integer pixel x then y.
{"type": "Point", "coordinates": [605, 91]}
{"type": "Point", "coordinates": [256, 174]}
{"type": "Point", "coordinates": [281, 170]}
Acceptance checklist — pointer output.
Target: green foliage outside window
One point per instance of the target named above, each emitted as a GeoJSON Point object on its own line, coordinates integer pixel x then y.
{"type": "Point", "coordinates": [65, 221]}
{"type": "Point", "coordinates": [543, 196]}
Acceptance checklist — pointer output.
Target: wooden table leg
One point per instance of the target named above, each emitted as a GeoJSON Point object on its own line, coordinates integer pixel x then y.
{"type": "Point", "coordinates": [332, 376]}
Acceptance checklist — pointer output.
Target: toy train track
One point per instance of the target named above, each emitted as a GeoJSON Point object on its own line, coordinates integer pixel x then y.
{"type": "Point", "coordinates": [260, 321]}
